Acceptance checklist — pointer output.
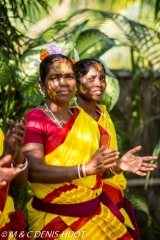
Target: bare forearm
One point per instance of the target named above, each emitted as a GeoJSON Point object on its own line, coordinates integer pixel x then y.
{"type": "Point", "coordinates": [40, 172]}
{"type": "Point", "coordinates": [21, 179]}
{"type": "Point", "coordinates": [52, 174]}
{"type": "Point", "coordinates": [19, 159]}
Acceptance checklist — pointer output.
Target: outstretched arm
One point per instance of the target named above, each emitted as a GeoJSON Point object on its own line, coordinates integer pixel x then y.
{"type": "Point", "coordinates": [138, 165]}
{"type": "Point", "coordinates": [43, 173]}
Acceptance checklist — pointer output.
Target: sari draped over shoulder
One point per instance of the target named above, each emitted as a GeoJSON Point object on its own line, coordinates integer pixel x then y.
{"type": "Point", "coordinates": [114, 186]}
{"type": "Point", "coordinates": [71, 210]}
{"type": "Point", "coordinates": [11, 221]}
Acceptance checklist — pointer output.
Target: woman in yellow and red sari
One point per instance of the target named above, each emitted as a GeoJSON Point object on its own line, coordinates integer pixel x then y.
{"type": "Point", "coordinates": [91, 84]}
{"type": "Point", "coordinates": [12, 166]}
{"type": "Point", "coordinates": [62, 147]}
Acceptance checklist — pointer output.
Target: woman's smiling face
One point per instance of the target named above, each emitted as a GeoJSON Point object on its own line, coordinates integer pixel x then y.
{"type": "Point", "coordinates": [93, 84]}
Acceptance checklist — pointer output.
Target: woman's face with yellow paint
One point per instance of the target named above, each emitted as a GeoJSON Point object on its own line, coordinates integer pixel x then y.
{"type": "Point", "coordinates": [59, 84]}
{"type": "Point", "coordinates": [93, 84]}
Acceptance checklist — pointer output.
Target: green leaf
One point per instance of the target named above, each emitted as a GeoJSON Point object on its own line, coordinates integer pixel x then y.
{"type": "Point", "coordinates": [5, 74]}
{"type": "Point", "coordinates": [111, 94]}
{"type": "Point", "coordinates": [140, 204]}
{"type": "Point", "coordinates": [53, 34]}
{"type": "Point", "coordinates": [32, 95]}
{"type": "Point", "coordinates": [156, 152]}
{"type": "Point", "coordinates": [142, 39]}
{"type": "Point", "coordinates": [157, 8]}
{"type": "Point", "coordinates": [93, 43]}
{"type": "Point", "coordinates": [28, 82]}
{"type": "Point", "coordinates": [74, 35]}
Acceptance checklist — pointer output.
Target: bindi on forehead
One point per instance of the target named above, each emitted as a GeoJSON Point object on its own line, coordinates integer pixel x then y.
{"type": "Point", "coordinates": [93, 72]}
{"type": "Point", "coordinates": [99, 69]}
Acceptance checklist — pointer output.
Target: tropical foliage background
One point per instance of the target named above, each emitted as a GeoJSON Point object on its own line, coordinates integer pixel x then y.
{"type": "Point", "coordinates": [126, 36]}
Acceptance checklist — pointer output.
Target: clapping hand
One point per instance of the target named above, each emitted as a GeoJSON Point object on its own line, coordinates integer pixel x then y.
{"type": "Point", "coordinates": [7, 174]}
{"type": "Point", "coordinates": [101, 161]}
{"type": "Point", "coordinates": [14, 137]}
{"type": "Point", "coordinates": [129, 162]}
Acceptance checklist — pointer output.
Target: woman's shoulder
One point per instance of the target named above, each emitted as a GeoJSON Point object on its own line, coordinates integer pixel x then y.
{"type": "Point", "coordinates": [35, 115]}
{"type": "Point", "coordinates": [37, 112]}
{"type": "Point", "coordinates": [103, 109]}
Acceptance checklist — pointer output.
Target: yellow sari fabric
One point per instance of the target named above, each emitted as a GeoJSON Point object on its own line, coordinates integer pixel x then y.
{"type": "Point", "coordinates": [1, 141]}
{"type": "Point", "coordinates": [9, 205]}
{"type": "Point", "coordinates": [80, 144]}
{"type": "Point", "coordinates": [117, 181]}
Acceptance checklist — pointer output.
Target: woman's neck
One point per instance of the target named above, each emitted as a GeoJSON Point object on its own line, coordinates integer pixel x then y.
{"type": "Point", "coordinates": [62, 110]}
{"type": "Point", "coordinates": [88, 106]}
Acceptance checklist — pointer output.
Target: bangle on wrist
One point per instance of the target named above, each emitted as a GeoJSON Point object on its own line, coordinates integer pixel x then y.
{"type": "Point", "coordinates": [79, 171]}
{"type": "Point", "coordinates": [16, 164]}
{"type": "Point", "coordinates": [24, 165]}
{"type": "Point", "coordinates": [84, 170]}
{"type": "Point", "coordinates": [112, 171]}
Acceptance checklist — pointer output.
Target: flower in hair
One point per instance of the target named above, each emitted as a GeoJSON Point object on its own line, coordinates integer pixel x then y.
{"type": "Point", "coordinates": [44, 54]}
{"type": "Point", "coordinates": [51, 49]}
{"type": "Point", "coordinates": [73, 60]}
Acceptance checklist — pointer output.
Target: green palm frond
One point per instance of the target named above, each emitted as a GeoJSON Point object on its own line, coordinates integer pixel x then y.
{"type": "Point", "coordinates": [93, 43]}
{"type": "Point", "coordinates": [156, 152]}
{"type": "Point", "coordinates": [4, 70]}
{"type": "Point", "coordinates": [125, 32]}
{"type": "Point", "coordinates": [73, 33]}
{"type": "Point", "coordinates": [140, 204]}
{"type": "Point", "coordinates": [21, 8]}
{"type": "Point", "coordinates": [11, 38]}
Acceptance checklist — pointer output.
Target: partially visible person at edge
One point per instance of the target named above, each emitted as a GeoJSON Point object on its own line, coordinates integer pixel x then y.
{"type": "Point", "coordinates": [13, 165]}
{"type": "Point", "coordinates": [91, 84]}
{"type": "Point", "coordinates": [66, 153]}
